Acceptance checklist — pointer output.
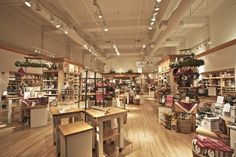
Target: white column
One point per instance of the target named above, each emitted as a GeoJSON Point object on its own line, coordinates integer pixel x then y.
{"type": "Point", "coordinates": [121, 131]}
{"type": "Point", "coordinates": [9, 108]}
{"type": "Point", "coordinates": [99, 132]}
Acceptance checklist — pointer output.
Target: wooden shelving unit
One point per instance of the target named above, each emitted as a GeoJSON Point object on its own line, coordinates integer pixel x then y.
{"type": "Point", "coordinates": [63, 83]}
{"type": "Point", "coordinates": [52, 85]}
{"type": "Point", "coordinates": [109, 133]}
{"type": "Point", "coordinates": [223, 80]}
{"type": "Point", "coordinates": [14, 83]}
{"type": "Point", "coordinates": [29, 80]}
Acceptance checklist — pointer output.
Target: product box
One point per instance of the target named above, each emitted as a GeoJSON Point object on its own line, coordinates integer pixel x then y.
{"type": "Point", "coordinates": [211, 123]}
{"type": "Point", "coordinates": [231, 113]}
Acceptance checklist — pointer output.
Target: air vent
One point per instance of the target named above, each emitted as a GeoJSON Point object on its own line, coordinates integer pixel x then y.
{"type": "Point", "coordinates": [108, 42]}
{"type": "Point", "coordinates": [137, 41]}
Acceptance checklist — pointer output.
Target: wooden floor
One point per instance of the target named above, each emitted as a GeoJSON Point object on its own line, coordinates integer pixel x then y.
{"type": "Point", "coordinates": [149, 139]}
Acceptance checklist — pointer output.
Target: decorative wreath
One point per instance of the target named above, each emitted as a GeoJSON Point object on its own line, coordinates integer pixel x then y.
{"type": "Point", "coordinates": [30, 64]}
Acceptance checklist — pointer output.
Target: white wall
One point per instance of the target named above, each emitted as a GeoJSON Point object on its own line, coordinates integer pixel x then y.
{"type": "Point", "coordinates": [222, 24]}
{"type": "Point", "coordinates": [21, 32]}
{"type": "Point", "coordinates": [220, 60]}
{"type": "Point", "coordinates": [221, 30]}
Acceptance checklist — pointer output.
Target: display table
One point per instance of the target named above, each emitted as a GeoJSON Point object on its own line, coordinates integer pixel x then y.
{"type": "Point", "coordinates": [187, 107]}
{"type": "Point", "coordinates": [60, 112]}
{"type": "Point", "coordinates": [76, 140]}
{"type": "Point", "coordinates": [232, 136]}
{"type": "Point", "coordinates": [38, 115]}
{"type": "Point", "coordinates": [122, 98]}
{"type": "Point", "coordinates": [10, 100]}
{"type": "Point", "coordinates": [97, 118]}
{"type": "Point", "coordinates": [162, 110]}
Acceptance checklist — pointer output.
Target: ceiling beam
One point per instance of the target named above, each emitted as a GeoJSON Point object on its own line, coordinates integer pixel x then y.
{"type": "Point", "coordinates": [117, 28]}
{"type": "Point", "coordinates": [173, 22]}
{"type": "Point", "coordinates": [195, 22]}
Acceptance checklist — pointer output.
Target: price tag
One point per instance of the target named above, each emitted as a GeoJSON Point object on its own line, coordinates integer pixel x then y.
{"type": "Point", "coordinates": [226, 107]}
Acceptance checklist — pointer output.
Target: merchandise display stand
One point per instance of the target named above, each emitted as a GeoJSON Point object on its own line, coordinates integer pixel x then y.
{"type": "Point", "coordinates": [97, 118]}
{"type": "Point", "coordinates": [10, 100]}
{"type": "Point", "coordinates": [76, 140]}
{"type": "Point", "coordinates": [73, 113]}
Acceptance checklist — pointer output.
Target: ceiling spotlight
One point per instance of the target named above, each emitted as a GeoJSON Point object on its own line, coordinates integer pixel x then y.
{"type": "Point", "coordinates": [158, 1]}
{"type": "Point", "coordinates": [152, 23]}
{"type": "Point", "coordinates": [144, 46]}
{"type": "Point", "coordinates": [37, 7]}
{"type": "Point", "coordinates": [28, 3]}
{"type": "Point", "coordinates": [157, 9]}
{"type": "Point", "coordinates": [118, 54]}
{"type": "Point", "coordinates": [51, 19]}
{"type": "Point", "coordinates": [58, 25]}
{"type": "Point", "coordinates": [66, 32]}
{"type": "Point", "coordinates": [105, 29]}
{"type": "Point", "coordinates": [155, 13]}
{"type": "Point", "coordinates": [153, 19]}
{"type": "Point", "coordinates": [100, 16]}
{"type": "Point", "coordinates": [150, 27]}
{"type": "Point", "coordinates": [35, 50]}
{"type": "Point", "coordinates": [209, 43]}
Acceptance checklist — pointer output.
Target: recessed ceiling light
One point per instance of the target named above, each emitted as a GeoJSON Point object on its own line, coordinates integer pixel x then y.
{"type": "Point", "coordinates": [100, 16]}
{"type": "Point", "coordinates": [152, 23]}
{"type": "Point", "coordinates": [157, 9]}
{"type": "Point", "coordinates": [66, 32]}
{"type": "Point", "coordinates": [105, 29]}
{"type": "Point", "coordinates": [58, 25]}
{"type": "Point", "coordinates": [209, 42]}
{"type": "Point", "coordinates": [153, 19]}
{"type": "Point", "coordinates": [28, 3]}
{"type": "Point", "coordinates": [158, 1]}
{"type": "Point", "coordinates": [118, 54]}
{"type": "Point", "coordinates": [150, 27]}
{"type": "Point", "coordinates": [144, 46]}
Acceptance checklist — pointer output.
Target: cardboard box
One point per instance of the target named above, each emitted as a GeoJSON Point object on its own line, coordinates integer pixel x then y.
{"type": "Point", "coordinates": [211, 123]}
{"type": "Point", "coordinates": [232, 113]}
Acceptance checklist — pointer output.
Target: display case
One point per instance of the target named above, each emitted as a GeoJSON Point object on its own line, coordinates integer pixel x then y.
{"type": "Point", "coordinates": [63, 82]}
{"type": "Point", "coordinates": [222, 80]}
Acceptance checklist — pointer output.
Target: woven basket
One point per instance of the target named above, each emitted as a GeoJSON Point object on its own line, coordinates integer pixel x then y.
{"type": "Point", "coordinates": [185, 126]}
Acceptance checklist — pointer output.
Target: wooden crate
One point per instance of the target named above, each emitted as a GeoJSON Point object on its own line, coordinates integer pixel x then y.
{"type": "Point", "coordinates": [185, 126]}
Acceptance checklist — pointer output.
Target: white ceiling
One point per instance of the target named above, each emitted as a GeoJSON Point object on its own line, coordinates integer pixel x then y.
{"type": "Point", "coordinates": [127, 20]}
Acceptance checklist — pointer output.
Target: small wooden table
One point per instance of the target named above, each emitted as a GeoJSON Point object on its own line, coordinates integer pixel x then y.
{"type": "Point", "coordinates": [98, 117]}
{"type": "Point", "coordinates": [76, 140]}
{"type": "Point", "coordinates": [10, 100]}
{"type": "Point", "coordinates": [37, 114]}
{"type": "Point", "coordinates": [122, 98]}
{"type": "Point", "coordinates": [57, 115]}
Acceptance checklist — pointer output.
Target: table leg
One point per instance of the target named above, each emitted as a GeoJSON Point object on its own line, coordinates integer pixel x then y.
{"type": "Point", "coordinates": [121, 131]}
{"type": "Point", "coordinates": [99, 132]}
{"type": "Point", "coordinates": [9, 108]}
{"type": "Point", "coordinates": [58, 122]}
{"type": "Point", "coordinates": [54, 130]}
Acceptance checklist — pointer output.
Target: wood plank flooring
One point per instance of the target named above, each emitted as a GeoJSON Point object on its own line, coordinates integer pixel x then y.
{"type": "Point", "coordinates": [149, 139]}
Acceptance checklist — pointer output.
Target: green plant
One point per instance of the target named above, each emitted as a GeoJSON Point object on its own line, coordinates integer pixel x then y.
{"type": "Point", "coordinates": [30, 64]}
{"type": "Point", "coordinates": [130, 71]}
{"type": "Point", "coordinates": [112, 71]}
{"type": "Point", "coordinates": [187, 63]}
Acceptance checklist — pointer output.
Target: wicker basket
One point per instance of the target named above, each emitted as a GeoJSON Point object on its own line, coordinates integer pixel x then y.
{"type": "Point", "coordinates": [185, 126]}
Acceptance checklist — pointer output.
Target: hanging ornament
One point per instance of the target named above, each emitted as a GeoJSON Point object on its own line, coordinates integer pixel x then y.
{"type": "Point", "coordinates": [21, 72]}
